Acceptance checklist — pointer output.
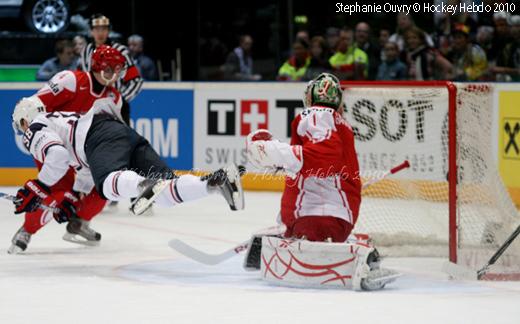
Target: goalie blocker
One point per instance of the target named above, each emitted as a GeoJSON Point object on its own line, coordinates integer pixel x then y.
{"type": "Point", "coordinates": [301, 263]}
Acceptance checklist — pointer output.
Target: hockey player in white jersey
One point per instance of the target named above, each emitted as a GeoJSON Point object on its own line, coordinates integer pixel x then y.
{"type": "Point", "coordinates": [111, 156]}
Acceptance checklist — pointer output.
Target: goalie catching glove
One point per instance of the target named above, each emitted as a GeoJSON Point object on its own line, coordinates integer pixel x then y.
{"type": "Point", "coordinates": [35, 193]}
{"type": "Point", "coordinates": [267, 153]}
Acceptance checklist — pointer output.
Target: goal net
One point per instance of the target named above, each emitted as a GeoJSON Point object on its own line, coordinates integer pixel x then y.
{"type": "Point", "coordinates": [451, 201]}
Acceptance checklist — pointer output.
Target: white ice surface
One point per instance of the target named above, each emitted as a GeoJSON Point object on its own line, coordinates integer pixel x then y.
{"type": "Point", "coordinates": [134, 277]}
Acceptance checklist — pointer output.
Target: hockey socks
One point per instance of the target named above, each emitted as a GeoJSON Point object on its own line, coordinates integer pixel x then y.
{"type": "Point", "coordinates": [121, 185]}
{"type": "Point", "coordinates": [182, 189]}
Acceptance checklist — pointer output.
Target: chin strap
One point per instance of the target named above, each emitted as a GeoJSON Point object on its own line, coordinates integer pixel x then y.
{"type": "Point", "coordinates": [108, 81]}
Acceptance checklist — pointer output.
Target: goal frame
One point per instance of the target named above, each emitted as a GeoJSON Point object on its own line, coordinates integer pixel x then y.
{"type": "Point", "coordinates": [452, 146]}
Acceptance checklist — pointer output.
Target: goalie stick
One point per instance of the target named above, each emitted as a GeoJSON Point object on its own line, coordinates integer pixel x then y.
{"type": "Point", "coordinates": [461, 272]}
{"type": "Point", "coordinates": [41, 206]}
{"type": "Point", "coordinates": [206, 258]}
{"type": "Point", "coordinates": [213, 259]}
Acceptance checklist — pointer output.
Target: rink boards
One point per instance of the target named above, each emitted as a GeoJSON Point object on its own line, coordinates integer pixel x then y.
{"type": "Point", "coordinates": [202, 126]}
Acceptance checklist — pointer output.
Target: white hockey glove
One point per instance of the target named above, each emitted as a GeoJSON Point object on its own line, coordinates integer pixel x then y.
{"type": "Point", "coordinates": [269, 154]}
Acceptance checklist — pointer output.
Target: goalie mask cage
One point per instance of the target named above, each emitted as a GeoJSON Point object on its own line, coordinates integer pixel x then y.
{"type": "Point", "coordinates": [451, 201]}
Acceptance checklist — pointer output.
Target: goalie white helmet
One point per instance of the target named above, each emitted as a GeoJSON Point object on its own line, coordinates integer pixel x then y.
{"type": "Point", "coordinates": [27, 109]}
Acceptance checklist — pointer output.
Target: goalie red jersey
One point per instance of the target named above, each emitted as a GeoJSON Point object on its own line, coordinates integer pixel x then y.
{"type": "Point", "coordinates": [74, 91]}
{"type": "Point", "coordinates": [328, 183]}
{"type": "Point", "coordinates": [323, 191]}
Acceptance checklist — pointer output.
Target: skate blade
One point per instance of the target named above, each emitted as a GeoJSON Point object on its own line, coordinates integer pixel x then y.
{"type": "Point", "coordinates": [239, 201]}
{"type": "Point", "coordinates": [140, 205]}
{"type": "Point", "coordinates": [77, 239]}
{"type": "Point", "coordinates": [147, 213]}
{"type": "Point", "coordinates": [384, 277]}
{"type": "Point", "coordinates": [234, 174]}
{"type": "Point", "coordinates": [14, 249]}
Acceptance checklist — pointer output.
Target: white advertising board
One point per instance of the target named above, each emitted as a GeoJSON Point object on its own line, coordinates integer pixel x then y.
{"type": "Point", "coordinates": [390, 126]}
{"type": "Point", "coordinates": [396, 124]}
{"type": "Point", "coordinates": [226, 112]}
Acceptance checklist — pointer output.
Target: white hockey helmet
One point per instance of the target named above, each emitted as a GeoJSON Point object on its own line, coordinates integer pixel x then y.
{"type": "Point", "coordinates": [27, 109]}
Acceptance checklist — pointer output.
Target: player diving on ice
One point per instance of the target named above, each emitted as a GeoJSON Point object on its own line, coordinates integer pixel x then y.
{"type": "Point", "coordinates": [73, 92]}
{"type": "Point", "coordinates": [320, 203]}
{"type": "Point", "coordinates": [110, 156]}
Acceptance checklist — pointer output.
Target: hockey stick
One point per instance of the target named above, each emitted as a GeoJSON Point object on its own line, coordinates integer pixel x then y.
{"type": "Point", "coordinates": [461, 272]}
{"type": "Point", "coordinates": [498, 253]}
{"type": "Point", "coordinates": [41, 206]}
{"type": "Point", "coordinates": [213, 259]}
{"type": "Point", "coordinates": [206, 258]}
{"type": "Point", "coordinates": [393, 170]}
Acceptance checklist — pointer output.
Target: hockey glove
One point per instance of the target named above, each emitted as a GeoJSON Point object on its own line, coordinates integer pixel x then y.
{"type": "Point", "coordinates": [269, 154]}
{"type": "Point", "coordinates": [68, 207]}
{"type": "Point", "coordinates": [255, 150]}
{"type": "Point", "coordinates": [32, 195]}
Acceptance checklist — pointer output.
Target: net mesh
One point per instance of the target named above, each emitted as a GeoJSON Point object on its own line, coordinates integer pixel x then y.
{"type": "Point", "coordinates": [408, 213]}
{"type": "Point", "coordinates": [486, 214]}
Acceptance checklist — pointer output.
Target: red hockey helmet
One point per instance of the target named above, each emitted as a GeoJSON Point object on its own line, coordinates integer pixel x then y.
{"type": "Point", "coordinates": [107, 57]}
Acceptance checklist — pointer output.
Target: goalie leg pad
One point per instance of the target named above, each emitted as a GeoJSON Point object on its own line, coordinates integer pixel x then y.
{"type": "Point", "coordinates": [254, 247]}
{"type": "Point", "coordinates": [302, 263]}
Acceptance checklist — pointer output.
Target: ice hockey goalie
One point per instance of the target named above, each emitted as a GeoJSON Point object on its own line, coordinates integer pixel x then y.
{"type": "Point", "coordinates": [320, 203]}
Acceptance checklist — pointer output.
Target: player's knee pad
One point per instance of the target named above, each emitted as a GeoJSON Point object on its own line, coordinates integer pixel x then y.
{"type": "Point", "coordinates": [302, 263]}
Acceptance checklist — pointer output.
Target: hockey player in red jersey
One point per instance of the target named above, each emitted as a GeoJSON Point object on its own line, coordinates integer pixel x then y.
{"type": "Point", "coordinates": [73, 91]}
{"type": "Point", "coordinates": [322, 196]}
{"type": "Point", "coordinates": [76, 91]}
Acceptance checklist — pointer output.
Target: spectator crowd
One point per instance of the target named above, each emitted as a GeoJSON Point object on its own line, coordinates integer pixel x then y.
{"type": "Point", "coordinates": [69, 53]}
{"type": "Point", "coordinates": [459, 47]}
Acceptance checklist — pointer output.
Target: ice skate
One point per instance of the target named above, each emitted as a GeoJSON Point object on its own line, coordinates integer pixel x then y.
{"type": "Point", "coordinates": [150, 189]}
{"type": "Point", "coordinates": [374, 260]}
{"type": "Point", "coordinates": [228, 182]}
{"type": "Point", "coordinates": [378, 278]}
{"type": "Point", "coordinates": [79, 231]}
{"type": "Point", "coordinates": [148, 212]}
{"type": "Point", "coordinates": [20, 241]}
